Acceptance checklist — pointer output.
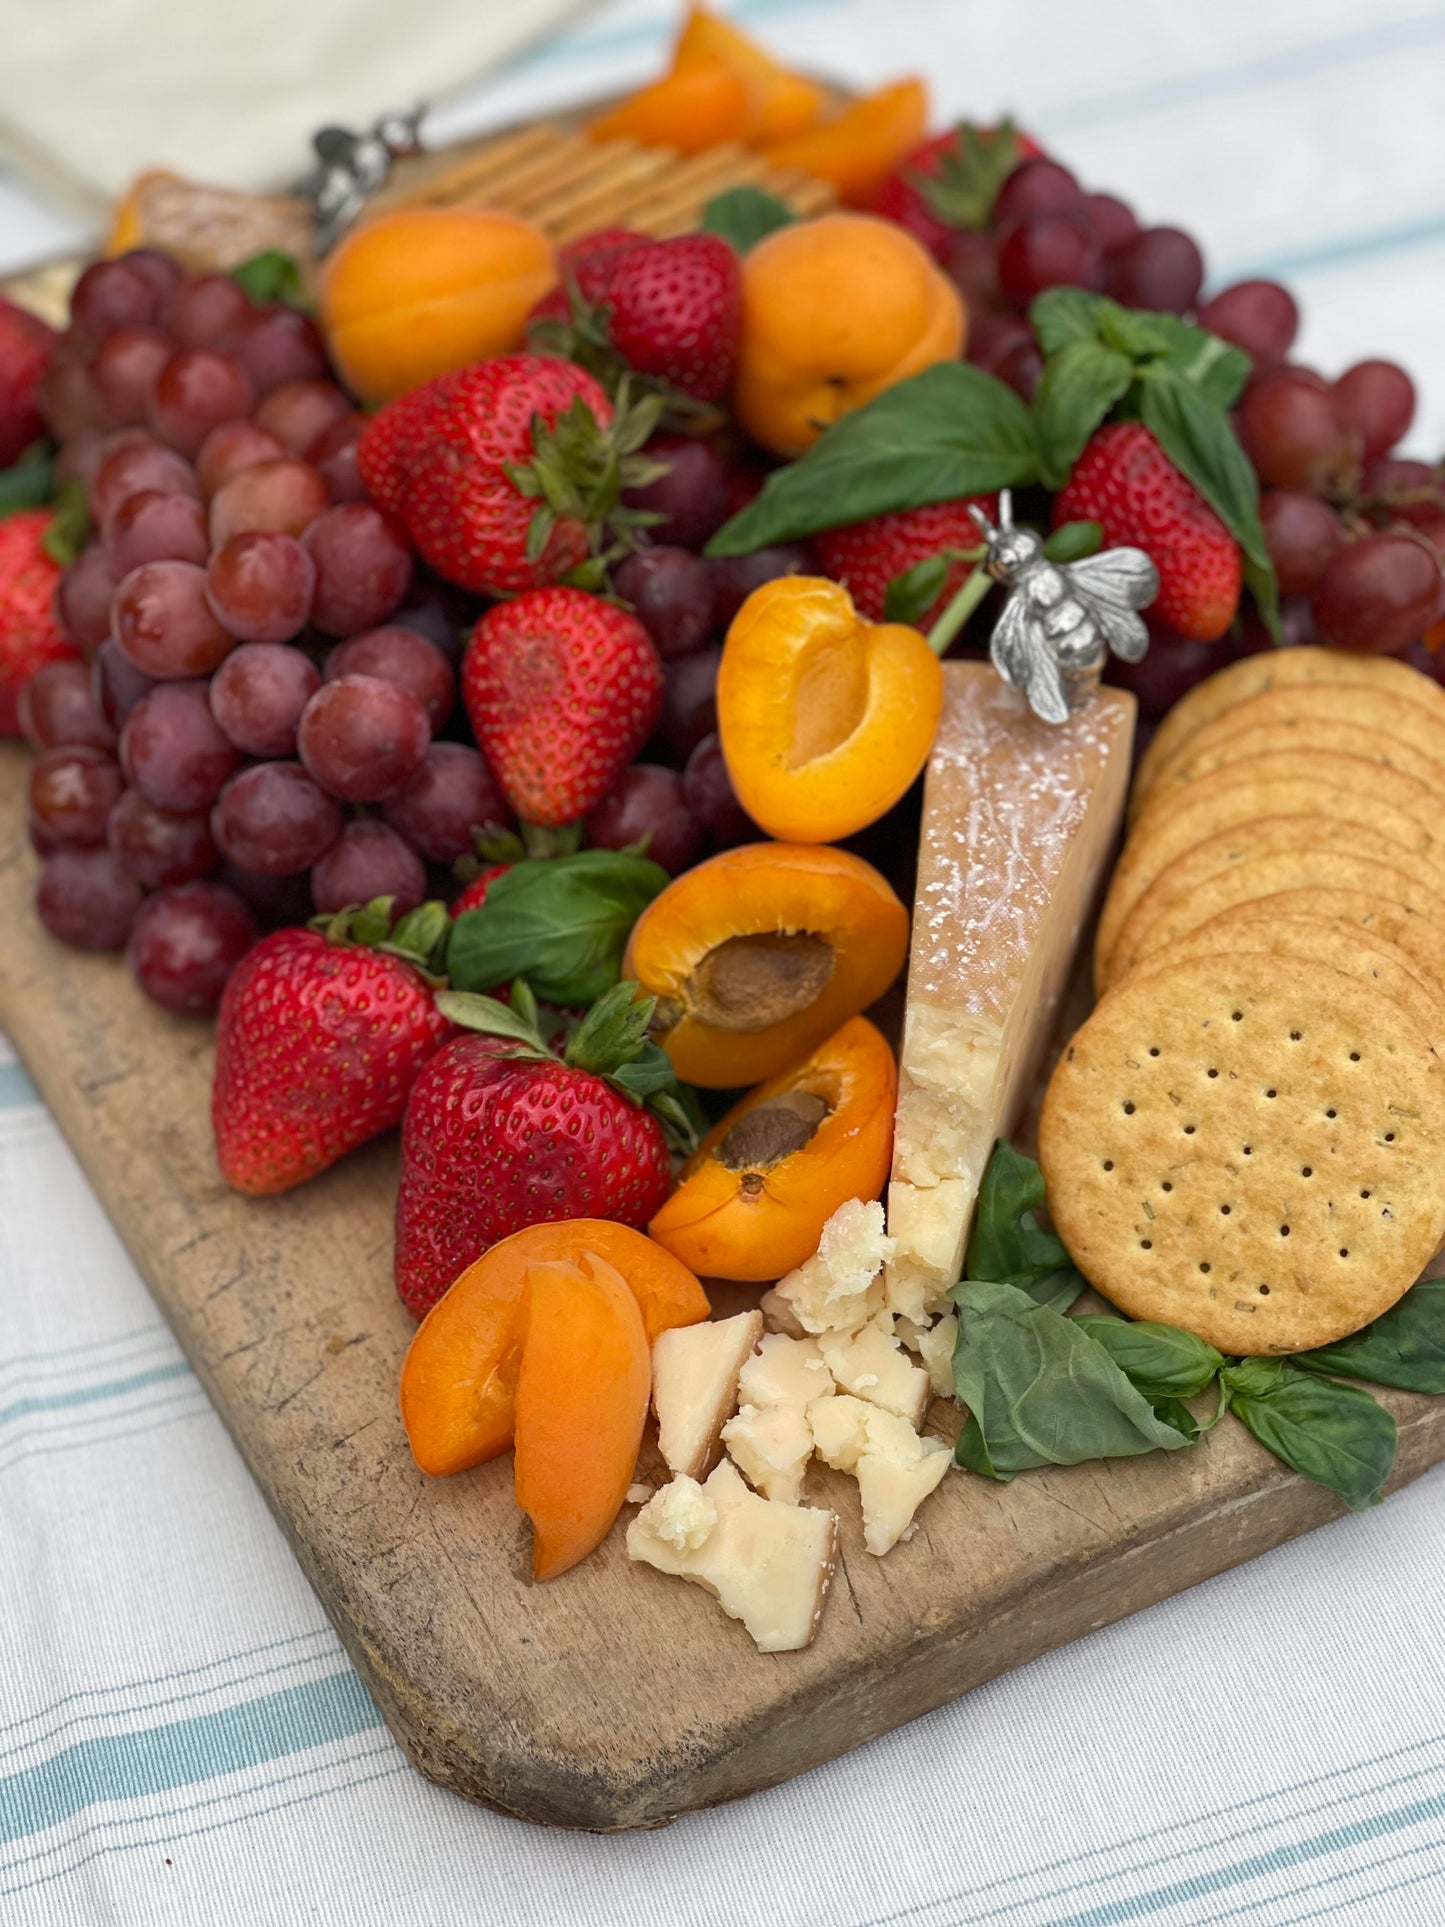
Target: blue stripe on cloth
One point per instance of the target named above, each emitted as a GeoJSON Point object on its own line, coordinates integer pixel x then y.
{"type": "Point", "coordinates": [1332, 1881]}
{"type": "Point", "coordinates": [199, 1408]}
{"type": "Point", "coordinates": [154, 1329]}
{"type": "Point", "coordinates": [135, 1766]}
{"type": "Point", "coordinates": [89, 1394]}
{"type": "Point", "coordinates": [16, 1089]}
{"type": "Point", "coordinates": [1428, 231]}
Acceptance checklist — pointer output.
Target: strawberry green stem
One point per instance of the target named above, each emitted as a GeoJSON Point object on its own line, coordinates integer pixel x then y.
{"type": "Point", "coordinates": [965, 601]}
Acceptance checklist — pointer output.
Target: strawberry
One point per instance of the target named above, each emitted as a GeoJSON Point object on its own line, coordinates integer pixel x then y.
{"type": "Point", "coordinates": [866, 556]}
{"type": "Point", "coordinates": [951, 180]}
{"type": "Point", "coordinates": [319, 1041]}
{"type": "Point", "coordinates": [562, 690]}
{"type": "Point", "coordinates": [25, 345]}
{"type": "Point", "coordinates": [475, 894]}
{"type": "Point", "coordinates": [1124, 481]}
{"type": "Point", "coordinates": [583, 266]}
{"type": "Point", "coordinates": [501, 1133]}
{"type": "Point", "coordinates": [30, 636]}
{"type": "Point", "coordinates": [394, 442]}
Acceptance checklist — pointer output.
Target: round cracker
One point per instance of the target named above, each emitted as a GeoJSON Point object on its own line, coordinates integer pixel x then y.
{"type": "Point", "coordinates": [1248, 1146]}
{"type": "Point", "coordinates": [1417, 936]}
{"type": "Point", "coordinates": [1235, 745]}
{"type": "Point", "coordinates": [1243, 843]}
{"type": "Point", "coordinates": [1251, 676]}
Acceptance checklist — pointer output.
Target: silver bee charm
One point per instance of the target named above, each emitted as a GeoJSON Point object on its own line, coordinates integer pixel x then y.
{"type": "Point", "coordinates": [349, 167]}
{"type": "Point", "coordinates": [1062, 618]}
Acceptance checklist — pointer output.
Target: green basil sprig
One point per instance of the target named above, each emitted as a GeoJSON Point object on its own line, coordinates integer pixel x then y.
{"type": "Point", "coordinates": [743, 216]}
{"type": "Point", "coordinates": [1335, 1434]}
{"type": "Point", "coordinates": [1007, 1244]}
{"type": "Point", "coordinates": [1405, 1347]}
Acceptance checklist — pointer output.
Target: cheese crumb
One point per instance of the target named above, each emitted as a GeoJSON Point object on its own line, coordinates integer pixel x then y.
{"type": "Point", "coordinates": [638, 1494]}
{"type": "Point", "coordinates": [841, 1287]}
{"type": "Point", "coordinates": [771, 1445]}
{"type": "Point", "coordinates": [682, 1515]}
{"type": "Point", "coordinates": [875, 1366]}
{"type": "Point", "coordinates": [935, 1347]}
{"type": "Point", "coordinates": [896, 1469]}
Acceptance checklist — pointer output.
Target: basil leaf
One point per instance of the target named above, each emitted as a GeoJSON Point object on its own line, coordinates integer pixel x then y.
{"type": "Point", "coordinates": [1405, 1347]}
{"type": "Point", "coordinates": [1060, 316]}
{"type": "Point", "coordinates": [562, 923]}
{"type": "Point", "coordinates": [971, 1452]}
{"type": "Point", "coordinates": [1041, 1390]}
{"type": "Point", "coordinates": [743, 216]}
{"type": "Point", "coordinates": [1063, 317]}
{"type": "Point", "coordinates": [949, 431]}
{"type": "Point", "coordinates": [1072, 541]}
{"type": "Point", "coordinates": [1163, 1361]}
{"type": "Point", "coordinates": [1080, 385]}
{"type": "Point", "coordinates": [271, 276]}
{"type": "Point", "coordinates": [1006, 1241]}
{"type": "Point", "coordinates": [28, 483]}
{"type": "Point", "coordinates": [1335, 1434]}
{"type": "Point", "coordinates": [1173, 1411]}
{"type": "Point", "coordinates": [1057, 1289]}
{"type": "Point", "coordinates": [913, 593]}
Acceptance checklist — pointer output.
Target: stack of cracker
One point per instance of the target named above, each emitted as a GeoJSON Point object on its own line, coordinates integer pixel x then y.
{"type": "Point", "coordinates": [1247, 1138]}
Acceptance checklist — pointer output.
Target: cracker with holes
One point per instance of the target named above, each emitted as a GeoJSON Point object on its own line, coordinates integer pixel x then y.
{"type": "Point", "coordinates": [1251, 1147]}
{"type": "Point", "coordinates": [1417, 936]}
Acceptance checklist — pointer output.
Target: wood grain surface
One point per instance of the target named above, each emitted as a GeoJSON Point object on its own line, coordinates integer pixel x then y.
{"type": "Point", "coordinates": [612, 1697]}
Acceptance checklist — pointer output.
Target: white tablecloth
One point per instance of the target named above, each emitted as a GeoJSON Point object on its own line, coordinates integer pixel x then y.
{"type": "Point", "coordinates": [181, 1738]}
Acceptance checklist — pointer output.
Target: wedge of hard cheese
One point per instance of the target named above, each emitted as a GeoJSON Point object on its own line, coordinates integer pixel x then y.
{"type": "Point", "coordinates": [1019, 818]}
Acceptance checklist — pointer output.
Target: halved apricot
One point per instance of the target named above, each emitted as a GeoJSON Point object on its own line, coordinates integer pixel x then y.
{"type": "Point", "coordinates": [700, 106]}
{"type": "Point", "coordinates": [760, 953]}
{"type": "Point", "coordinates": [782, 103]}
{"type": "Point", "coordinates": [581, 1403]}
{"type": "Point", "coordinates": [866, 142]}
{"type": "Point", "coordinates": [825, 717]}
{"type": "Point", "coordinates": [754, 1197]}
{"type": "Point", "coordinates": [459, 1378]}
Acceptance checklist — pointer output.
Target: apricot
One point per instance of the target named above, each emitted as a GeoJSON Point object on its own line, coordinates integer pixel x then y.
{"type": "Point", "coordinates": [781, 103]}
{"type": "Point", "coordinates": [865, 143]}
{"type": "Point", "coordinates": [423, 290]}
{"type": "Point", "coordinates": [835, 310]}
{"type": "Point", "coordinates": [825, 718]}
{"type": "Point", "coordinates": [760, 953]}
{"type": "Point", "coordinates": [459, 1378]}
{"type": "Point", "coordinates": [702, 105]}
{"type": "Point", "coordinates": [754, 1197]}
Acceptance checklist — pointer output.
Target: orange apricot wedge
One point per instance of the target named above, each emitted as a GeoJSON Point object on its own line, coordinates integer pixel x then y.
{"type": "Point", "coordinates": [754, 1197]}
{"type": "Point", "coordinates": [700, 106]}
{"type": "Point", "coordinates": [782, 103]}
{"type": "Point", "coordinates": [760, 953]}
{"type": "Point", "coordinates": [825, 718]}
{"type": "Point", "coordinates": [581, 1403]}
{"type": "Point", "coordinates": [865, 143]}
{"type": "Point", "coordinates": [459, 1378]}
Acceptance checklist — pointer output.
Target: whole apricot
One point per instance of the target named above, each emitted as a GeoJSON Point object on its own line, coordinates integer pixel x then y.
{"type": "Point", "coordinates": [418, 292]}
{"type": "Point", "coordinates": [834, 311]}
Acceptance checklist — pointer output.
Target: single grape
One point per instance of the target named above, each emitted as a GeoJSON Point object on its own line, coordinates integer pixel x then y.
{"type": "Point", "coordinates": [1301, 533]}
{"type": "Point", "coordinates": [273, 820]}
{"type": "Point", "coordinates": [449, 796]}
{"type": "Point", "coordinates": [157, 846]}
{"type": "Point", "coordinates": [1258, 316]}
{"type": "Point", "coordinates": [86, 900]}
{"type": "Point", "coordinates": [1161, 268]}
{"type": "Point", "coordinates": [71, 791]}
{"type": "Point", "coordinates": [184, 943]}
{"type": "Point", "coordinates": [195, 392]}
{"type": "Point", "coordinates": [708, 792]}
{"type": "Point", "coordinates": [1296, 622]}
{"type": "Point", "coordinates": [275, 902]}
{"type": "Point", "coordinates": [66, 396]}
{"type": "Point", "coordinates": [368, 860]}
{"type": "Point", "coordinates": [1036, 187]}
{"type": "Point", "coordinates": [109, 296]}
{"type": "Point", "coordinates": [1022, 368]}
{"type": "Point", "coordinates": [275, 344]}
{"type": "Point", "coordinates": [209, 312]}
{"type": "Point", "coordinates": [970, 260]}
{"type": "Point", "coordinates": [172, 749]}
{"type": "Point", "coordinates": [137, 465]}
{"type": "Point", "coordinates": [82, 599]}
{"type": "Point", "coordinates": [283, 496]}
{"type": "Point", "coordinates": [1377, 399]}
{"type": "Point", "coordinates": [1394, 475]}
{"type": "Point", "coordinates": [41, 840]}
{"type": "Point", "coordinates": [258, 694]}
{"type": "Point", "coordinates": [298, 410]}
{"type": "Point", "coordinates": [1428, 518]}
{"type": "Point", "coordinates": [1115, 224]}
{"type": "Point", "coordinates": [333, 455]}
{"type": "Point", "coordinates": [1378, 595]}
{"type": "Point", "coordinates": [229, 449]}
{"type": "Point", "coordinates": [1296, 435]}
{"type": "Point", "coordinates": [647, 802]}
{"type": "Point", "coordinates": [1041, 251]}
{"type": "Point", "coordinates": [260, 585]}
{"type": "Point", "coordinates": [397, 654]}
{"type": "Point", "coordinates": [124, 373]}
{"type": "Point", "coordinates": [363, 567]}
{"type": "Point", "coordinates": [673, 593]}
{"type": "Point", "coordinates": [80, 456]}
{"type": "Point", "coordinates": [161, 619]}
{"type": "Point", "coordinates": [693, 497]}
{"type": "Point", "coordinates": [151, 526]}
{"type": "Point", "coordinates": [992, 338]}
{"type": "Point", "coordinates": [163, 275]}
{"type": "Point", "coordinates": [116, 684]}
{"type": "Point", "coordinates": [361, 737]}
{"type": "Point", "coordinates": [734, 577]}
{"type": "Point", "coordinates": [689, 703]}
{"type": "Point", "coordinates": [58, 709]}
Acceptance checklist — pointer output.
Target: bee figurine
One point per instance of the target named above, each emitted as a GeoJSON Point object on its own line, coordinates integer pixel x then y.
{"type": "Point", "coordinates": [1062, 618]}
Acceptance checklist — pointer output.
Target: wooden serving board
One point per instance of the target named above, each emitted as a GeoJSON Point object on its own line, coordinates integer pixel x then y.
{"type": "Point", "coordinates": [612, 1697]}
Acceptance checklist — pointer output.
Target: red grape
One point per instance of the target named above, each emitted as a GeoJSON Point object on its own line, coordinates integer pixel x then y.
{"type": "Point", "coordinates": [672, 592]}
{"type": "Point", "coordinates": [195, 392]}
{"type": "Point", "coordinates": [1379, 594]}
{"type": "Point", "coordinates": [109, 296]}
{"type": "Point", "coordinates": [442, 615]}
{"type": "Point", "coordinates": [397, 654]}
{"type": "Point", "coordinates": [689, 703]}
{"type": "Point", "coordinates": [172, 749]}
{"type": "Point", "coordinates": [363, 567]}
{"type": "Point", "coordinates": [450, 794]}
{"type": "Point", "coordinates": [1046, 251]}
{"type": "Point", "coordinates": [184, 943]}
{"type": "Point", "coordinates": [1160, 269]}
{"type": "Point", "coordinates": [116, 683]}
{"type": "Point", "coordinates": [229, 449]}
{"type": "Point", "coordinates": [209, 312]}
{"type": "Point", "coordinates": [333, 453]}
{"type": "Point", "coordinates": [368, 860]}
{"type": "Point", "coordinates": [161, 619]}
{"type": "Point", "coordinates": [298, 410]}
{"type": "Point", "coordinates": [273, 820]}
{"type": "Point", "coordinates": [58, 709]}
{"type": "Point", "coordinates": [1258, 316]}
{"type": "Point", "coordinates": [693, 497]}
{"type": "Point", "coordinates": [258, 694]}
{"type": "Point", "coordinates": [276, 344]}
{"type": "Point", "coordinates": [82, 599]}
{"type": "Point", "coordinates": [86, 900]}
{"type": "Point", "coordinates": [158, 846]}
{"type": "Point", "coordinates": [135, 465]}
{"type": "Point", "coordinates": [1428, 518]}
{"type": "Point", "coordinates": [274, 901]}
{"type": "Point", "coordinates": [283, 496]}
{"type": "Point", "coordinates": [734, 577]}
{"type": "Point", "coordinates": [164, 276]}
{"type": "Point", "coordinates": [992, 338]}
{"type": "Point", "coordinates": [708, 792]}
{"type": "Point", "coordinates": [1392, 475]}
{"type": "Point", "coordinates": [970, 260]}
{"type": "Point", "coordinates": [124, 373]}
{"type": "Point", "coordinates": [1296, 435]}
{"type": "Point", "coordinates": [260, 586]}
{"type": "Point", "coordinates": [1377, 399]}
{"type": "Point", "coordinates": [1301, 533]}
{"type": "Point", "coordinates": [67, 398]}
{"type": "Point", "coordinates": [1114, 221]}
{"type": "Point", "coordinates": [1036, 187]}
{"type": "Point", "coordinates": [361, 737]}
{"type": "Point", "coordinates": [647, 801]}
{"type": "Point", "coordinates": [71, 792]}
{"type": "Point", "coordinates": [81, 455]}
{"type": "Point", "coordinates": [151, 526]}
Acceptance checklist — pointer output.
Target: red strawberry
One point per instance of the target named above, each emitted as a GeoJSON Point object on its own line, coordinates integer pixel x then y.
{"type": "Point", "coordinates": [562, 690]}
{"type": "Point", "coordinates": [475, 894]}
{"type": "Point", "coordinates": [498, 1137]}
{"type": "Point", "coordinates": [30, 636]}
{"type": "Point", "coordinates": [866, 556]}
{"type": "Point", "coordinates": [25, 345]}
{"type": "Point", "coordinates": [584, 265]}
{"type": "Point", "coordinates": [951, 180]}
{"type": "Point", "coordinates": [317, 1047]}
{"type": "Point", "coordinates": [1125, 481]}
{"type": "Point", "coordinates": [394, 441]}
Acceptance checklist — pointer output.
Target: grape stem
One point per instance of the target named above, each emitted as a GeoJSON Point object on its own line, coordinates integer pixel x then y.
{"type": "Point", "coordinates": [964, 602]}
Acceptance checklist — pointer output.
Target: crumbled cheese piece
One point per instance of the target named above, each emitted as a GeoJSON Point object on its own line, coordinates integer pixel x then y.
{"type": "Point", "coordinates": [784, 1371]}
{"type": "Point", "coordinates": [695, 1387]}
{"type": "Point", "coordinates": [876, 1367]}
{"type": "Point", "coordinates": [779, 1315]}
{"type": "Point", "coordinates": [771, 1445]}
{"type": "Point", "coordinates": [683, 1515]}
{"type": "Point", "coordinates": [840, 1430]}
{"type": "Point", "coordinates": [638, 1494]}
{"type": "Point", "coordinates": [841, 1287]}
{"type": "Point", "coordinates": [767, 1564]}
{"type": "Point", "coordinates": [935, 1347]}
{"type": "Point", "coordinates": [895, 1468]}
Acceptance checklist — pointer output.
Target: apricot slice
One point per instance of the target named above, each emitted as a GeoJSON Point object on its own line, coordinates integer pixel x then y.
{"type": "Point", "coordinates": [781, 103]}
{"type": "Point", "coordinates": [760, 953]}
{"type": "Point", "coordinates": [866, 141]}
{"type": "Point", "coordinates": [701, 106]}
{"type": "Point", "coordinates": [581, 1402]}
{"type": "Point", "coordinates": [825, 718]}
{"type": "Point", "coordinates": [754, 1197]}
{"type": "Point", "coordinates": [459, 1378]}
